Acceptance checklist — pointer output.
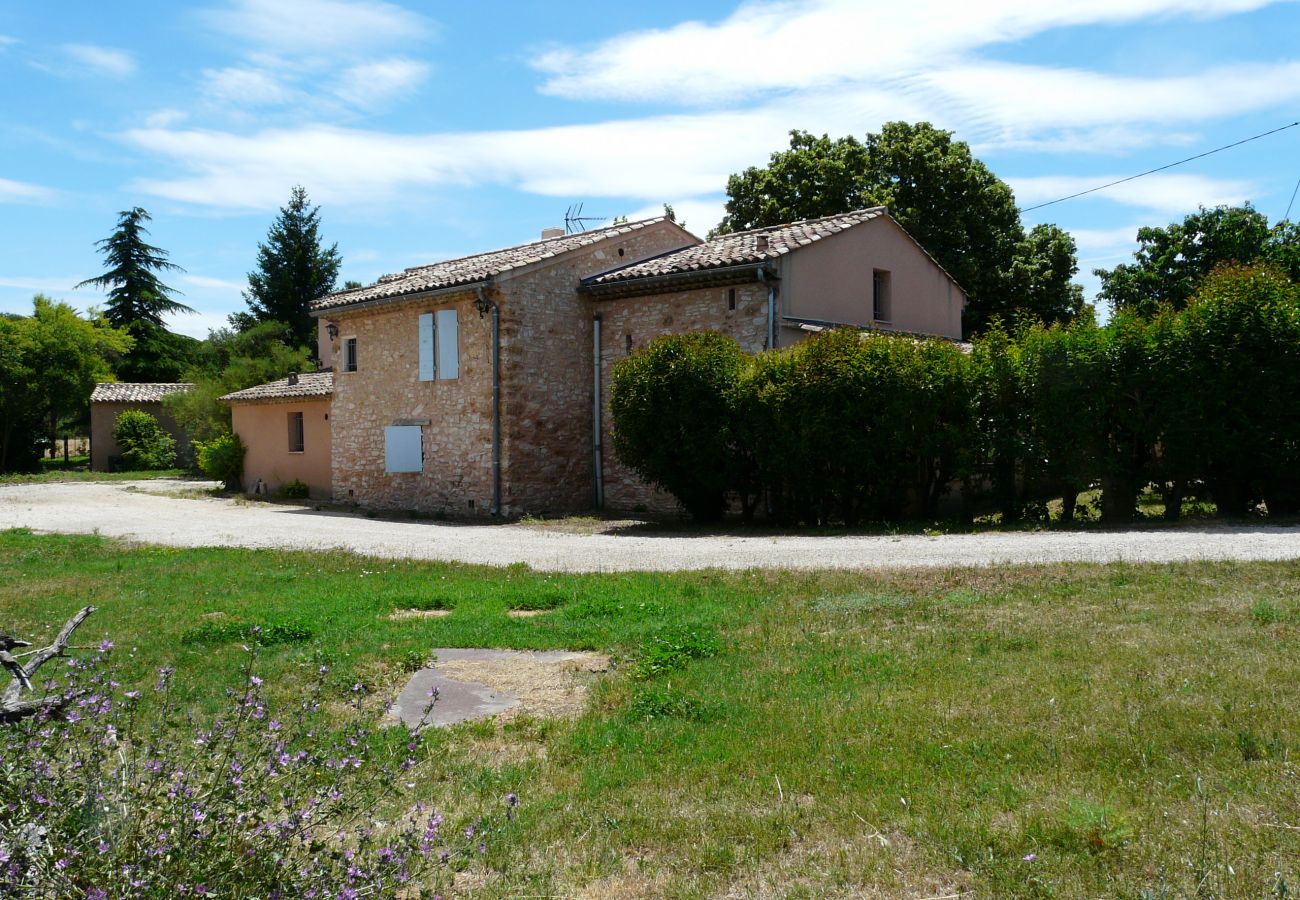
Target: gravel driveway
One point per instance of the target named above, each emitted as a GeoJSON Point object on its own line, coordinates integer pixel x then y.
{"type": "Point", "coordinates": [152, 512]}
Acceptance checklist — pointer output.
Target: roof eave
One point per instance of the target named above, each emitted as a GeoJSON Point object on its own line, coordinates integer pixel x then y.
{"type": "Point", "coordinates": [693, 278]}
{"type": "Point", "coordinates": [402, 298]}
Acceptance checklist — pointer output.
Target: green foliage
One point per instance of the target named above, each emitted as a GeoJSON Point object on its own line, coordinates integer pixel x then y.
{"type": "Point", "coordinates": [294, 490]}
{"type": "Point", "coordinates": [954, 206]}
{"type": "Point", "coordinates": [1170, 262]}
{"type": "Point", "coordinates": [673, 650]}
{"type": "Point", "coordinates": [144, 444]}
{"type": "Point", "coordinates": [230, 361]}
{"type": "Point", "coordinates": [292, 271]}
{"type": "Point", "coordinates": [672, 409]}
{"type": "Point", "coordinates": [269, 634]}
{"type": "Point", "coordinates": [221, 458]}
{"type": "Point", "coordinates": [138, 300]}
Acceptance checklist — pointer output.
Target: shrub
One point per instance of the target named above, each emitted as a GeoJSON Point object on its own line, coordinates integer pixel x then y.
{"type": "Point", "coordinates": [294, 490]}
{"type": "Point", "coordinates": [124, 795]}
{"type": "Point", "coordinates": [143, 443]}
{"type": "Point", "coordinates": [222, 458]}
{"type": "Point", "coordinates": [268, 635]}
{"type": "Point", "coordinates": [672, 410]}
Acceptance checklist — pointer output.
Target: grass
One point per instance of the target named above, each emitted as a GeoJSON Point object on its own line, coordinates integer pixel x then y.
{"type": "Point", "coordinates": [1058, 731]}
{"type": "Point", "coordinates": [54, 473]}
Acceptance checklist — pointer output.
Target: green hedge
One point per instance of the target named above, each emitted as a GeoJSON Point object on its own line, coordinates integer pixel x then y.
{"type": "Point", "coordinates": [143, 444]}
{"type": "Point", "coordinates": [849, 426]}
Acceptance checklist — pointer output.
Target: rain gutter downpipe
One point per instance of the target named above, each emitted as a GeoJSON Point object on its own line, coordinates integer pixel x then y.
{"type": "Point", "coordinates": [771, 306]}
{"type": "Point", "coordinates": [484, 304]}
{"type": "Point", "coordinates": [597, 438]}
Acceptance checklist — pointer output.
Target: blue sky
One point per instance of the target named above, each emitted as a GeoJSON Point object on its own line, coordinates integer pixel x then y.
{"type": "Point", "coordinates": [429, 130]}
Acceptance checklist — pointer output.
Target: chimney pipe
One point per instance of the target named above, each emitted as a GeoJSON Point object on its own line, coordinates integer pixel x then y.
{"type": "Point", "coordinates": [762, 243]}
{"type": "Point", "coordinates": [293, 378]}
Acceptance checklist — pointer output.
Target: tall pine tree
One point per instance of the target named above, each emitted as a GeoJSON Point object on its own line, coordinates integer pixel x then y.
{"type": "Point", "coordinates": [138, 300]}
{"type": "Point", "coordinates": [292, 271]}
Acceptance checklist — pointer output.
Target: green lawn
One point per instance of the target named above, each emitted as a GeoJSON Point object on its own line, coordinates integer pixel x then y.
{"type": "Point", "coordinates": [1066, 731]}
{"type": "Point", "coordinates": [55, 473]}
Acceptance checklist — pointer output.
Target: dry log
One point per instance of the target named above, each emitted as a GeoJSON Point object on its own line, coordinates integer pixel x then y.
{"type": "Point", "coordinates": [12, 705]}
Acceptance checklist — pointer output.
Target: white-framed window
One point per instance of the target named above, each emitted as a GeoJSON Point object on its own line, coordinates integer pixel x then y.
{"type": "Point", "coordinates": [881, 301]}
{"type": "Point", "coordinates": [297, 436]}
{"type": "Point", "coordinates": [349, 354]}
{"type": "Point", "coordinates": [403, 448]}
{"type": "Point", "coordinates": [439, 341]}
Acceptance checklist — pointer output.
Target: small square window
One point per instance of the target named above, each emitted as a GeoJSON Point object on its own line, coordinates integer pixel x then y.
{"type": "Point", "coordinates": [349, 354]}
{"type": "Point", "coordinates": [297, 442]}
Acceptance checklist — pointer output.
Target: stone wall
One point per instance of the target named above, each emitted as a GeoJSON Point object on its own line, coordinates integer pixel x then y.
{"type": "Point", "coordinates": [645, 318]}
{"type": "Point", "coordinates": [548, 373]}
{"type": "Point", "coordinates": [386, 390]}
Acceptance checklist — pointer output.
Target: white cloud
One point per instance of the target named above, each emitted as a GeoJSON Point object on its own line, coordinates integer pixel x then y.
{"type": "Point", "coordinates": [1164, 193]}
{"type": "Point", "coordinates": [23, 192]}
{"type": "Point", "coordinates": [246, 87]}
{"type": "Point", "coordinates": [312, 27]}
{"type": "Point", "coordinates": [818, 43]}
{"type": "Point", "coordinates": [216, 284]}
{"type": "Point", "coordinates": [101, 60]}
{"type": "Point", "coordinates": [165, 118]}
{"type": "Point", "coordinates": [40, 285]}
{"type": "Point", "coordinates": [6, 41]}
{"type": "Point", "coordinates": [374, 83]}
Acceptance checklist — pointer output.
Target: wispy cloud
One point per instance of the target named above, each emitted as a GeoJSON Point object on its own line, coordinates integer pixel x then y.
{"type": "Point", "coordinates": [24, 192]}
{"type": "Point", "coordinates": [247, 87]}
{"type": "Point", "coordinates": [373, 83]}
{"type": "Point", "coordinates": [316, 27]}
{"type": "Point", "coordinates": [1167, 194]}
{"type": "Point", "coordinates": [189, 279]}
{"type": "Point", "coordinates": [6, 41]}
{"type": "Point", "coordinates": [96, 60]}
{"type": "Point", "coordinates": [833, 41]}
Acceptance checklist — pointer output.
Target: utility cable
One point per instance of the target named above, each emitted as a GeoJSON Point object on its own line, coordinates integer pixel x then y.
{"type": "Point", "coordinates": [1169, 166]}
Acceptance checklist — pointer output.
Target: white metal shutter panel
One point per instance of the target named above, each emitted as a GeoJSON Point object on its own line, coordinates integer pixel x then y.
{"type": "Point", "coordinates": [448, 344]}
{"type": "Point", "coordinates": [426, 347]}
{"type": "Point", "coordinates": [403, 448]}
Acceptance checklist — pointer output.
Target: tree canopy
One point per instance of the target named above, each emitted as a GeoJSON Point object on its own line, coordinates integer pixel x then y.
{"type": "Point", "coordinates": [293, 269]}
{"type": "Point", "coordinates": [138, 300]}
{"type": "Point", "coordinates": [49, 363]}
{"type": "Point", "coordinates": [1171, 262]}
{"type": "Point", "coordinates": [955, 207]}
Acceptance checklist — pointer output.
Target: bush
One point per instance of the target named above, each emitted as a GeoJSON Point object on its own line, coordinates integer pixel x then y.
{"type": "Point", "coordinates": [143, 443]}
{"type": "Point", "coordinates": [222, 458]}
{"type": "Point", "coordinates": [125, 795]}
{"type": "Point", "coordinates": [672, 408]}
{"type": "Point", "coordinates": [294, 490]}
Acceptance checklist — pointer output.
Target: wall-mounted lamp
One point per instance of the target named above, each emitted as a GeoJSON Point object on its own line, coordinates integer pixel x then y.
{"type": "Point", "coordinates": [483, 304]}
{"type": "Point", "coordinates": [332, 330]}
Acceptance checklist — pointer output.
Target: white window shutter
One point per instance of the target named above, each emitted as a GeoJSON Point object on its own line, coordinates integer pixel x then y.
{"type": "Point", "coordinates": [403, 448]}
{"type": "Point", "coordinates": [426, 347]}
{"type": "Point", "coordinates": [448, 344]}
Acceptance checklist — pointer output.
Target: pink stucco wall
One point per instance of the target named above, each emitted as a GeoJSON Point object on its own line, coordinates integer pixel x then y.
{"type": "Point", "coordinates": [264, 429]}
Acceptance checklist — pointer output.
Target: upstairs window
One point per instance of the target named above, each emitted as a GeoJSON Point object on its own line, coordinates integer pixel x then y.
{"type": "Point", "coordinates": [439, 341]}
{"type": "Point", "coordinates": [881, 302]}
{"type": "Point", "coordinates": [349, 354]}
{"type": "Point", "coordinates": [297, 436]}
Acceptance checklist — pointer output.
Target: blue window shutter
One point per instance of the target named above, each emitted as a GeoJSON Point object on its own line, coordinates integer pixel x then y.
{"type": "Point", "coordinates": [403, 448]}
{"type": "Point", "coordinates": [426, 347]}
{"type": "Point", "coordinates": [448, 344]}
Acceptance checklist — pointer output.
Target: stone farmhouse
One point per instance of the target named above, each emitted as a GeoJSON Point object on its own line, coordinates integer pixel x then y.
{"type": "Point", "coordinates": [480, 385]}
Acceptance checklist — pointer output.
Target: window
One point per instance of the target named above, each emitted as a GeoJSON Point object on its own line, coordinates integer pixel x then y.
{"type": "Point", "coordinates": [296, 436]}
{"type": "Point", "coordinates": [731, 298]}
{"type": "Point", "coordinates": [439, 339]}
{"type": "Point", "coordinates": [881, 305]}
{"type": "Point", "coordinates": [403, 448]}
{"type": "Point", "coordinates": [349, 354]}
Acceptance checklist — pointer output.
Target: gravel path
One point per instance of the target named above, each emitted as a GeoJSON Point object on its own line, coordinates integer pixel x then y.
{"type": "Point", "coordinates": [142, 511]}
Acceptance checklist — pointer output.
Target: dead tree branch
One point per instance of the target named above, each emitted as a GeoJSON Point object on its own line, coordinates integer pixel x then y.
{"type": "Point", "coordinates": [12, 706]}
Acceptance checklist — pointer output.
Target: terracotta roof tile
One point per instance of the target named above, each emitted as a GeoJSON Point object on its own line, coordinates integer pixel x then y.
{"type": "Point", "coordinates": [310, 384]}
{"type": "Point", "coordinates": [469, 270]}
{"type": "Point", "coordinates": [135, 391]}
{"type": "Point", "coordinates": [741, 248]}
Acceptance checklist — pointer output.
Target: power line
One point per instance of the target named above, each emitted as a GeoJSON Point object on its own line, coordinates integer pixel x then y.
{"type": "Point", "coordinates": [1162, 168]}
{"type": "Point", "coordinates": [1288, 206]}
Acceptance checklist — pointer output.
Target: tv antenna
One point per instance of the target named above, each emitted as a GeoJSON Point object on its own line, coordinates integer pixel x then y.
{"type": "Point", "coordinates": [575, 221]}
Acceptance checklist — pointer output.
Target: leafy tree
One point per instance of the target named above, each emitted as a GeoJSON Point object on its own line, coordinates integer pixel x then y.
{"type": "Point", "coordinates": [49, 363]}
{"type": "Point", "coordinates": [292, 271]}
{"type": "Point", "coordinates": [954, 206]}
{"type": "Point", "coordinates": [138, 300]}
{"type": "Point", "coordinates": [230, 361]}
{"type": "Point", "coordinates": [1170, 262]}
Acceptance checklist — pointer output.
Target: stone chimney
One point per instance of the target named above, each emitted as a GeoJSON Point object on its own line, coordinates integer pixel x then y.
{"type": "Point", "coordinates": [761, 243]}
{"type": "Point", "coordinates": [553, 232]}
{"type": "Point", "coordinates": [293, 378]}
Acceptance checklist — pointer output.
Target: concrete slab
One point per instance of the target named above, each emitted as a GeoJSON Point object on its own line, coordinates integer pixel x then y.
{"type": "Point", "coordinates": [461, 699]}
